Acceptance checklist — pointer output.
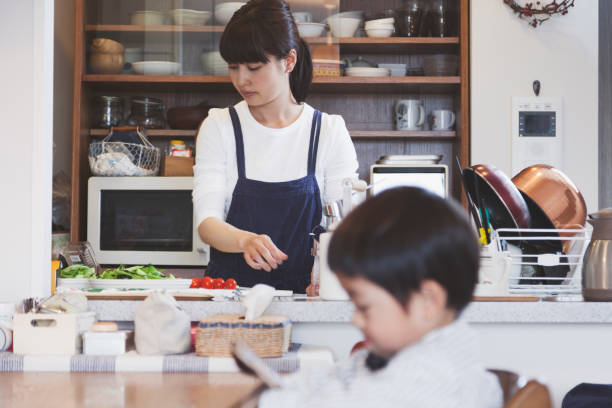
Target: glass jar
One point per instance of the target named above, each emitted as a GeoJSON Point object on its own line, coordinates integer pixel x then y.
{"type": "Point", "coordinates": [107, 111]}
{"type": "Point", "coordinates": [442, 19]}
{"type": "Point", "coordinates": [410, 18]}
{"type": "Point", "coordinates": [147, 113]}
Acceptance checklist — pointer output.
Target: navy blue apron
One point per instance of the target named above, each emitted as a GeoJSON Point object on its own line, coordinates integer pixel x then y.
{"type": "Point", "coordinates": [286, 211]}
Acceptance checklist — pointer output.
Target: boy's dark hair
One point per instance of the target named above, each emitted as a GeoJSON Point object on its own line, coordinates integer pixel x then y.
{"type": "Point", "coordinates": [404, 236]}
{"type": "Point", "coordinates": [267, 27]}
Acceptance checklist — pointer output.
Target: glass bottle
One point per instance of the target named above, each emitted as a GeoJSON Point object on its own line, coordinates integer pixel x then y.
{"type": "Point", "coordinates": [442, 18]}
{"type": "Point", "coordinates": [147, 113]}
{"type": "Point", "coordinates": [107, 111]}
{"type": "Point", "coordinates": [410, 18]}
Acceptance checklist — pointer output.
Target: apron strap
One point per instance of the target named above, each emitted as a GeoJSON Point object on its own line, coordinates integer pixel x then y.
{"type": "Point", "coordinates": [315, 131]}
{"type": "Point", "coordinates": [239, 142]}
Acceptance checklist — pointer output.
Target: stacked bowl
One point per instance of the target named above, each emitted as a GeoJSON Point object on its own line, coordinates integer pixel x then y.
{"type": "Point", "coordinates": [382, 27]}
{"type": "Point", "coordinates": [190, 17]}
{"type": "Point", "coordinates": [225, 11]}
{"type": "Point", "coordinates": [213, 63]}
{"type": "Point", "coordinates": [345, 24]}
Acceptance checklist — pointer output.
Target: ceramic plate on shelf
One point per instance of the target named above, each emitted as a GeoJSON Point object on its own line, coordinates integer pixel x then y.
{"type": "Point", "coordinates": [140, 283]}
{"type": "Point", "coordinates": [366, 71]}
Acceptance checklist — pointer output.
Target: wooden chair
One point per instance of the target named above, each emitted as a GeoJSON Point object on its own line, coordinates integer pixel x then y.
{"type": "Point", "coordinates": [520, 393]}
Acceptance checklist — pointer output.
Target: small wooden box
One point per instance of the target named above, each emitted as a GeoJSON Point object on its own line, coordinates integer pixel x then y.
{"type": "Point", "coordinates": [177, 166]}
{"type": "Point", "coordinates": [267, 336]}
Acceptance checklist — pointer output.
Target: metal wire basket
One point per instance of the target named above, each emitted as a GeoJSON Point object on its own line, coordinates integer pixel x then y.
{"type": "Point", "coordinates": [124, 152]}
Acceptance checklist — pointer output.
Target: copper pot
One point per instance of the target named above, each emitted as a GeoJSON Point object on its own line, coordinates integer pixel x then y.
{"type": "Point", "coordinates": [555, 195]}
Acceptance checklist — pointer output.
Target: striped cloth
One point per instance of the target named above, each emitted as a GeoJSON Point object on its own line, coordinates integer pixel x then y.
{"type": "Point", "coordinates": [298, 357]}
{"type": "Point", "coordinates": [441, 370]}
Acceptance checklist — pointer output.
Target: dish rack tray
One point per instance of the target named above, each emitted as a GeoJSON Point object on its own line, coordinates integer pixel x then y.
{"type": "Point", "coordinates": [519, 280]}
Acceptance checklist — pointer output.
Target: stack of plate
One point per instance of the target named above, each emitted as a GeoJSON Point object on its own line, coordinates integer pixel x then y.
{"type": "Point", "coordinates": [366, 71]}
{"type": "Point", "coordinates": [405, 159]}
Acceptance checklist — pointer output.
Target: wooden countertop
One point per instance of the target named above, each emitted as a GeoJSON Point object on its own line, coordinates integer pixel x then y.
{"type": "Point", "coordinates": [114, 390]}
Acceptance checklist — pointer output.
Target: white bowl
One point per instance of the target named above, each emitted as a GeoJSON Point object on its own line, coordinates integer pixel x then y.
{"type": "Point", "coordinates": [388, 20]}
{"type": "Point", "coordinates": [302, 16]}
{"type": "Point", "coordinates": [379, 32]}
{"type": "Point", "coordinates": [310, 29]}
{"type": "Point", "coordinates": [378, 25]}
{"type": "Point", "coordinates": [213, 63]}
{"type": "Point", "coordinates": [156, 67]}
{"type": "Point", "coordinates": [366, 71]}
{"type": "Point", "coordinates": [148, 17]}
{"type": "Point", "coordinates": [190, 17]}
{"type": "Point", "coordinates": [349, 14]}
{"type": "Point", "coordinates": [343, 26]}
{"type": "Point", "coordinates": [225, 11]}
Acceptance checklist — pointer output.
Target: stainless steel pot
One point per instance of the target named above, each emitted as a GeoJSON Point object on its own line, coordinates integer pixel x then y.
{"type": "Point", "coordinates": [597, 262]}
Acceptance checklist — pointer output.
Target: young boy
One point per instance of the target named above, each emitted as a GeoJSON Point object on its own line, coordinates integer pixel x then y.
{"type": "Point", "coordinates": [409, 261]}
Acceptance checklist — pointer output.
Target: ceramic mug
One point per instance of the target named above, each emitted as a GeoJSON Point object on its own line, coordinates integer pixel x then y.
{"type": "Point", "coordinates": [442, 119]}
{"type": "Point", "coordinates": [409, 114]}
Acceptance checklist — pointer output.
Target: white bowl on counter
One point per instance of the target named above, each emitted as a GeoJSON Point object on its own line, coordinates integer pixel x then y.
{"type": "Point", "coordinates": [190, 17]}
{"type": "Point", "coordinates": [310, 29]}
{"type": "Point", "coordinates": [366, 71]}
{"type": "Point", "coordinates": [343, 26]}
{"type": "Point", "coordinates": [147, 17]}
{"type": "Point", "coordinates": [156, 67]}
{"type": "Point", "coordinates": [225, 11]}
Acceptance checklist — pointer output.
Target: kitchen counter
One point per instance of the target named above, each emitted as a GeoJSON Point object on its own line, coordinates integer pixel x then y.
{"type": "Point", "coordinates": [301, 310]}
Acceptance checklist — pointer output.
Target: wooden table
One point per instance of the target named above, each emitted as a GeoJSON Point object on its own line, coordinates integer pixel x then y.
{"type": "Point", "coordinates": [68, 390]}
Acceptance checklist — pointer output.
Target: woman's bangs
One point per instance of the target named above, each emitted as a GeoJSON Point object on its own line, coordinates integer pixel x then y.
{"type": "Point", "coordinates": [242, 43]}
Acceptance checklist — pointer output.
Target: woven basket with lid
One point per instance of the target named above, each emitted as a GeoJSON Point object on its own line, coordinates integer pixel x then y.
{"type": "Point", "coordinates": [267, 336]}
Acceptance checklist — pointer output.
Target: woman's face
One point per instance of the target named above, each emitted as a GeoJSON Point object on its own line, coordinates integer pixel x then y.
{"type": "Point", "coordinates": [261, 83]}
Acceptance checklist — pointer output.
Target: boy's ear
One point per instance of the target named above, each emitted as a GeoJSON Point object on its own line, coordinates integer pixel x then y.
{"type": "Point", "coordinates": [434, 295]}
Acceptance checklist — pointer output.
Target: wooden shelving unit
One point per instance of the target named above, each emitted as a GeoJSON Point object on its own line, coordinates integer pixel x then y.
{"type": "Point", "coordinates": [366, 103]}
{"type": "Point", "coordinates": [355, 134]}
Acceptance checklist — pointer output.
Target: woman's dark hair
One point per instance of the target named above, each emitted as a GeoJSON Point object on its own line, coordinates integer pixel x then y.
{"type": "Point", "coordinates": [266, 27]}
{"type": "Point", "coordinates": [404, 236]}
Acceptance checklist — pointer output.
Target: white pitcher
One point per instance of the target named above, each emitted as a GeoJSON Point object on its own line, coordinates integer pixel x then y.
{"type": "Point", "coordinates": [409, 114]}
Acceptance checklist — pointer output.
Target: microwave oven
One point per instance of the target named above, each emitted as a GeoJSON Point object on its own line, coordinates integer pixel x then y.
{"type": "Point", "coordinates": [431, 177]}
{"type": "Point", "coordinates": [142, 220]}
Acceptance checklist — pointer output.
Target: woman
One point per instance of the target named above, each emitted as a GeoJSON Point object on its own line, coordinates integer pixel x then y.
{"type": "Point", "coordinates": [264, 165]}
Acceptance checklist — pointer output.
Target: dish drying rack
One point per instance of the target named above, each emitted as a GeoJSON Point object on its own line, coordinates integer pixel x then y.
{"type": "Point", "coordinates": [518, 283]}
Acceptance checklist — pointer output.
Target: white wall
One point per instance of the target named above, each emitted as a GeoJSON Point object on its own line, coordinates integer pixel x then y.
{"type": "Point", "coordinates": [26, 40]}
{"type": "Point", "coordinates": [507, 55]}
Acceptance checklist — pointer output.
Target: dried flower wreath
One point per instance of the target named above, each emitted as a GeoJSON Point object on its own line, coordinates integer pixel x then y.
{"type": "Point", "coordinates": [539, 11]}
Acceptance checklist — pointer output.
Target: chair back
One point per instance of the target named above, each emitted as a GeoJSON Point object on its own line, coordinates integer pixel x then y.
{"type": "Point", "coordinates": [519, 393]}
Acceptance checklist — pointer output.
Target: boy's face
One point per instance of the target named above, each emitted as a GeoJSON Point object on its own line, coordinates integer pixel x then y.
{"type": "Point", "coordinates": [389, 326]}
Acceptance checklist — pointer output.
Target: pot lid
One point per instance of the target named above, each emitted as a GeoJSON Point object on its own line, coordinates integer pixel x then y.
{"type": "Point", "coordinates": [361, 62]}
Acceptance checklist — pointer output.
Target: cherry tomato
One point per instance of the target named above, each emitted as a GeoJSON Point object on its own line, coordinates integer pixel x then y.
{"type": "Point", "coordinates": [195, 283]}
{"type": "Point", "coordinates": [230, 284]}
{"type": "Point", "coordinates": [206, 282]}
{"type": "Point", "coordinates": [218, 283]}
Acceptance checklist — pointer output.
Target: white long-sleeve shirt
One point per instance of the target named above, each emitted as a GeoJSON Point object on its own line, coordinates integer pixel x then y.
{"type": "Point", "coordinates": [271, 155]}
{"type": "Point", "coordinates": [441, 370]}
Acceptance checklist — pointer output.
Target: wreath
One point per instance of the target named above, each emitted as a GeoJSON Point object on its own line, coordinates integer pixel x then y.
{"type": "Point", "coordinates": [541, 11]}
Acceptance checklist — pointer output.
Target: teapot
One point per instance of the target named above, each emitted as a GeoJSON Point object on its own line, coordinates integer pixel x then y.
{"type": "Point", "coordinates": [597, 261]}
{"type": "Point", "coordinates": [358, 62]}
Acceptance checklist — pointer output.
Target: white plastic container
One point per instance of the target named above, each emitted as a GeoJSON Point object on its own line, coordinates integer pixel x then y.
{"type": "Point", "coordinates": [50, 334]}
{"type": "Point", "coordinates": [104, 343]}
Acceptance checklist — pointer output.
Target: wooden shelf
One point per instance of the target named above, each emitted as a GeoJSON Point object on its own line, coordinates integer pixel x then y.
{"type": "Point", "coordinates": [208, 79]}
{"type": "Point", "coordinates": [153, 29]}
{"type": "Point", "coordinates": [355, 134]}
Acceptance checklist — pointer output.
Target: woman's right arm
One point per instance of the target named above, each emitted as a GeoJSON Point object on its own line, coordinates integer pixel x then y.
{"type": "Point", "coordinates": [210, 193]}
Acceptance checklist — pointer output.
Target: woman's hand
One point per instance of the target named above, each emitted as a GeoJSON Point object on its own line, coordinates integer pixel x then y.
{"type": "Point", "coordinates": [260, 252]}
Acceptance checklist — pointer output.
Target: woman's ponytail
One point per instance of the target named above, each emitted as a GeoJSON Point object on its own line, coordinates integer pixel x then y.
{"type": "Point", "coordinates": [301, 76]}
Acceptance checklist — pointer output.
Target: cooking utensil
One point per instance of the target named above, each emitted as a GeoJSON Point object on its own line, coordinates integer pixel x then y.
{"type": "Point", "coordinates": [506, 206]}
{"type": "Point", "coordinates": [554, 199]}
{"type": "Point", "coordinates": [471, 206]}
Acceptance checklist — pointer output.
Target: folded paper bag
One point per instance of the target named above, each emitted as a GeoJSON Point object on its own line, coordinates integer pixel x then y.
{"type": "Point", "coordinates": [161, 326]}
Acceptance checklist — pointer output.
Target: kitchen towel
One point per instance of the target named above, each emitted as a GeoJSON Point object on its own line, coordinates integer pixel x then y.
{"type": "Point", "coordinates": [299, 357]}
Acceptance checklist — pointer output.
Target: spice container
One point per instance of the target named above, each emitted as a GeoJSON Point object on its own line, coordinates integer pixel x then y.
{"type": "Point", "coordinates": [147, 113]}
{"type": "Point", "coordinates": [107, 111]}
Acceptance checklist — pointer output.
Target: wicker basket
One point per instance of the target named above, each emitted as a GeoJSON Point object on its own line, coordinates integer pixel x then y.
{"type": "Point", "coordinates": [267, 336]}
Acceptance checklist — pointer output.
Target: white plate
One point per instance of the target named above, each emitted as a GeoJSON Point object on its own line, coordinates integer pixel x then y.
{"type": "Point", "coordinates": [156, 67]}
{"type": "Point", "coordinates": [366, 71]}
{"type": "Point", "coordinates": [140, 283]}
